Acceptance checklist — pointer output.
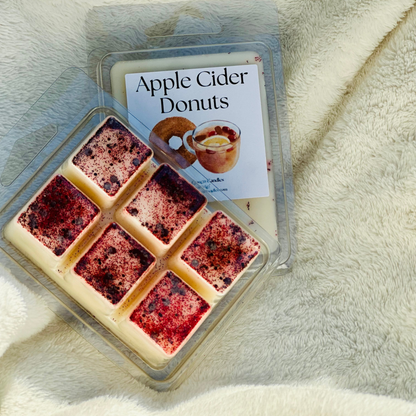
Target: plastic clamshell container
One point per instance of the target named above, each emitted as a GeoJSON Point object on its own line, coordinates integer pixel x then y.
{"type": "Point", "coordinates": [36, 149]}
{"type": "Point", "coordinates": [166, 38]}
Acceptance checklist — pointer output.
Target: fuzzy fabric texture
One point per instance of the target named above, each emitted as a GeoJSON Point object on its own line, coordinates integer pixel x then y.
{"type": "Point", "coordinates": [24, 314]}
{"type": "Point", "coordinates": [345, 318]}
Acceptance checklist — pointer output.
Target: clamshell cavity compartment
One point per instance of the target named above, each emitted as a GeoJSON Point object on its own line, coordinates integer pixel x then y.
{"type": "Point", "coordinates": [215, 256]}
{"type": "Point", "coordinates": [167, 315]}
{"type": "Point", "coordinates": [107, 162]}
{"type": "Point", "coordinates": [51, 224]}
{"type": "Point", "coordinates": [110, 269]}
{"type": "Point", "coordinates": [162, 209]}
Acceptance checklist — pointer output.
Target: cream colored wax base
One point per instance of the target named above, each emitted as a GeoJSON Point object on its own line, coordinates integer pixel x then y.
{"type": "Point", "coordinates": [262, 210]}
{"type": "Point", "coordinates": [84, 295]}
{"type": "Point", "coordinates": [114, 320]}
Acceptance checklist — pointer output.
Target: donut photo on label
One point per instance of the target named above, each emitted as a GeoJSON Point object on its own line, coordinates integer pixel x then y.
{"type": "Point", "coordinates": [169, 136]}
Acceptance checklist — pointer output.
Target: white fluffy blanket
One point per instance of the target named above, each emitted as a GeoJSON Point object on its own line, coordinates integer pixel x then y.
{"type": "Point", "coordinates": [335, 337]}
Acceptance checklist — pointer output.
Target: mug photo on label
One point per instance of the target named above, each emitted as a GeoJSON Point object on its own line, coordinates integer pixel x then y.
{"type": "Point", "coordinates": [216, 145]}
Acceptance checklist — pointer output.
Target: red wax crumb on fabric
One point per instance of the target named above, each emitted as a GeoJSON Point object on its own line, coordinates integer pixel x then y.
{"type": "Point", "coordinates": [114, 263]}
{"type": "Point", "coordinates": [166, 204]}
{"type": "Point", "coordinates": [221, 251]}
{"type": "Point", "coordinates": [58, 215]}
{"type": "Point", "coordinates": [170, 312]}
{"type": "Point", "coordinates": [112, 156]}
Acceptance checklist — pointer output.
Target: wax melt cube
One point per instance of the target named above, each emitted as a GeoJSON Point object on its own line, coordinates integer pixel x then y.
{"type": "Point", "coordinates": [169, 314]}
{"type": "Point", "coordinates": [110, 159]}
{"type": "Point", "coordinates": [217, 255]}
{"type": "Point", "coordinates": [111, 268]}
{"type": "Point", "coordinates": [50, 225]}
{"type": "Point", "coordinates": [161, 210]}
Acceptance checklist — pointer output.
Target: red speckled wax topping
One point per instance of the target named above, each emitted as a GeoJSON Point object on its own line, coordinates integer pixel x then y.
{"type": "Point", "coordinates": [112, 156]}
{"type": "Point", "coordinates": [58, 215]}
{"type": "Point", "coordinates": [166, 204]}
{"type": "Point", "coordinates": [170, 312]}
{"type": "Point", "coordinates": [221, 251]}
{"type": "Point", "coordinates": [114, 263]}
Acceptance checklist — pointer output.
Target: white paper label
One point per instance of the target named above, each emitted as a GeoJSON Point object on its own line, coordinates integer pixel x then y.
{"type": "Point", "coordinates": [186, 99]}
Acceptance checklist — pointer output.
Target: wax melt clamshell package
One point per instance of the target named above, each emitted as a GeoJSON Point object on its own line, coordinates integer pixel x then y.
{"type": "Point", "coordinates": [129, 241]}
{"type": "Point", "coordinates": [175, 39]}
